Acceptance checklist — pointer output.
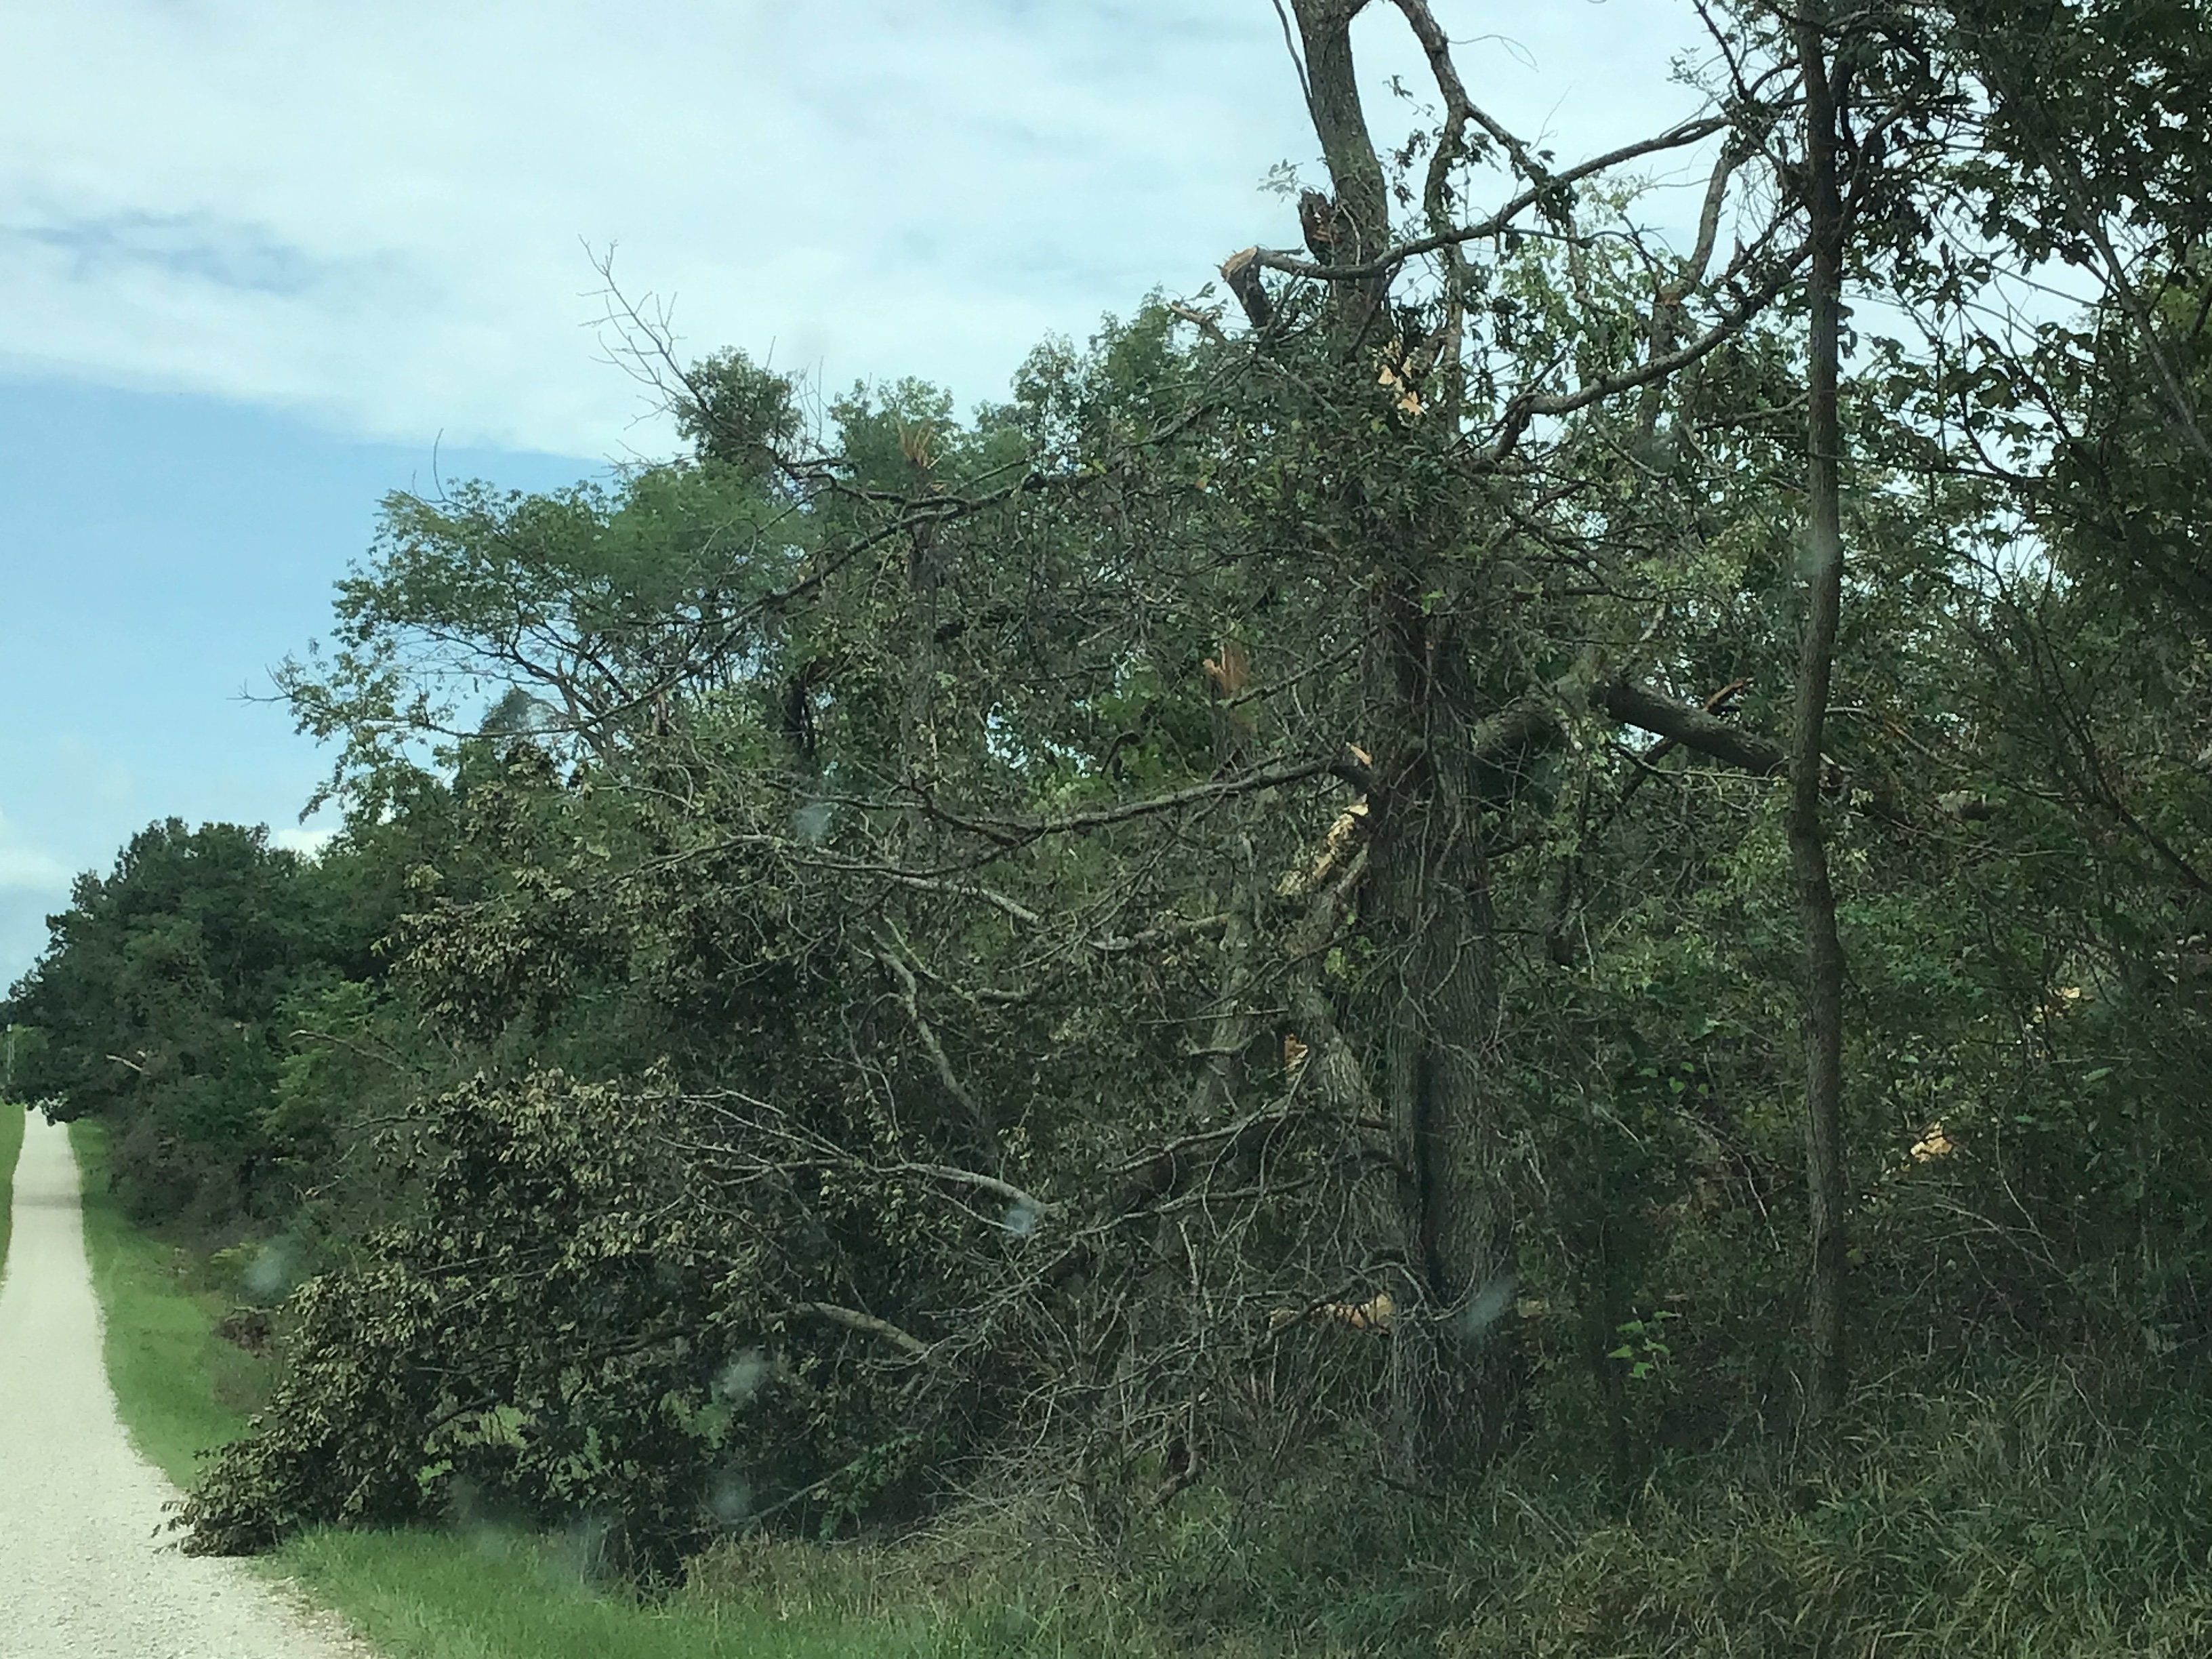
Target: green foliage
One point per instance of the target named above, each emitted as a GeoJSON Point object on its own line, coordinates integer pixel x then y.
{"type": "Point", "coordinates": [548, 1330]}
{"type": "Point", "coordinates": [158, 1008]}
{"type": "Point", "coordinates": [781, 988]}
{"type": "Point", "coordinates": [734, 412]}
{"type": "Point", "coordinates": [2014, 1519]}
{"type": "Point", "coordinates": [574, 615]}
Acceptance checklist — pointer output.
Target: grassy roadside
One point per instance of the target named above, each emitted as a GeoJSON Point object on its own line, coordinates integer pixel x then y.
{"type": "Point", "coordinates": [487, 1594]}
{"type": "Point", "coordinates": [11, 1143]}
{"type": "Point", "coordinates": [180, 1390]}
{"type": "Point", "coordinates": [426, 1595]}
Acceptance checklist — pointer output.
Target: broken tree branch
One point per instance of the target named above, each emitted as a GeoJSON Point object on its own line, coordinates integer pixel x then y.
{"type": "Point", "coordinates": [852, 1319]}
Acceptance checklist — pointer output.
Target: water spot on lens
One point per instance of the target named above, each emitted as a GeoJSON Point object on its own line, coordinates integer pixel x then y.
{"type": "Point", "coordinates": [272, 1272]}
{"type": "Point", "coordinates": [1484, 1309]}
{"type": "Point", "coordinates": [742, 1378]}
{"type": "Point", "coordinates": [730, 1498]}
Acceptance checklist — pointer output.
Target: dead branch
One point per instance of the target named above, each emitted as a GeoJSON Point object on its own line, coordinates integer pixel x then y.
{"type": "Point", "coordinates": [909, 1000]}
{"type": "Point", "coordinates": [867, 1324]}
{"type": "Point", "coordinates": [1241, 271]}
{"type": "Point", "coordinates": [1005, 1190]}
{"type": "Point", "coordinates": [1676, 137]}
{"type": "Point", "coordinates": [1147, 1176]}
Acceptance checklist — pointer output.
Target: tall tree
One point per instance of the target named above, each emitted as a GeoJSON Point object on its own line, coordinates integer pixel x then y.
{"type": "Point", "coordinates": [1824, 1151]}
{"type": "Point", "coordinates": [1436, 630]}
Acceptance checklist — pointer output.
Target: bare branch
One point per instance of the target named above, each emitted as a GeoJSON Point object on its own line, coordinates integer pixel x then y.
{"type": "Point", "coordinates": [910, 1001]}
{"type": "Point", "coordinates": [867, 1324]}
{"type": "Point", "coordinates": [1676, 137]}
{"type": "Point", "coordinates": [1458, 106]}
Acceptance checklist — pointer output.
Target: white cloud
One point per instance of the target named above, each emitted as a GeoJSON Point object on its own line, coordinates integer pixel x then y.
{"type": "Point", "coordinates": [306, 842]}
{"type": "Point", "coordinates": [28, 869]}
{"type": "Point", "coordinates": [374, 213]}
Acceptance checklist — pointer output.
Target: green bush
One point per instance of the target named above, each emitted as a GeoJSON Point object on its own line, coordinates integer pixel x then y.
{"type": "Point", "coordinates": [549, 1335]}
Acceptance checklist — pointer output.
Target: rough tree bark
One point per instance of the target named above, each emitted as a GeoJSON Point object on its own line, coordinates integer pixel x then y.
{"type": "Point", "coordinates": [1808, 852]}
{"type": "Point", "coordinates": [1426, 903]}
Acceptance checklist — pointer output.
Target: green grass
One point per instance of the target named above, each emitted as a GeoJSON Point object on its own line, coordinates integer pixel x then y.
{"type": "Point", "coordinates": [490, 1595]}
{"type": "Point", "coordinates": [180, 1390]}
{"type": "Point", "coordinates": [11, 1143]}
{"type": "Point", "coordinates": [422, 1595]}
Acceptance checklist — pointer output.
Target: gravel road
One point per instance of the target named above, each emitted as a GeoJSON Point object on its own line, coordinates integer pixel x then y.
{"type": "Point", "coordinates": [86, 1569]}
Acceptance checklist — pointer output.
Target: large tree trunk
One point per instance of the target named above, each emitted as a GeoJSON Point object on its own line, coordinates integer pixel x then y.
{"type": "Point", "coordinates": [1816, 897]}
{"type": "Point", "coordinates": [1426, 905]}
{"type": "Point", "coordinates": [1424, 901]}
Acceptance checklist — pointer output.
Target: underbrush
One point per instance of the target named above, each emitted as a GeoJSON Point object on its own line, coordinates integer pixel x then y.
{"type": "Point", "coordinates": [2041, 1515]}
{"type": "Point", "coordinates": [2027, 1521]}
{"type": "Point", "coordinates": [2021, 1521]}
{"type": "Point", "coordinates": [476, 1593]}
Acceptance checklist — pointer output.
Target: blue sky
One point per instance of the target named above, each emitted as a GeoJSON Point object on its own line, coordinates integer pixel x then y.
{"type": "Point", "coordinates": [159, 553]}
{"type": "Point", "coordinates": [259, 260]}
